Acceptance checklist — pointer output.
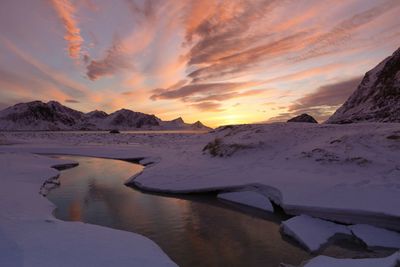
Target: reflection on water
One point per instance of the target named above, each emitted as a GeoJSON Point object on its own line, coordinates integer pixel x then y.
{"type": "Point", "coordinates": [197, 232]}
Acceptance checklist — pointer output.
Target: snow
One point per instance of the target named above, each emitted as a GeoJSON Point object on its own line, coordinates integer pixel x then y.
{"type": "Point", "coordinates": [248, 198]}
{"type": "Point", "coordinates": [376, 237]}
{"type": "Point", "coordinates": [344, 173]}
{"type": "Point", "coordinates": [324, 261]}
{"type": "Point", "coordinates": [376, 98]}
{"type": "Point", "coordinates": [52, 115]}
{"type": "Point", "coordinates": [31, 236]}
{"type": "Point", "coordinates": [312, 232]}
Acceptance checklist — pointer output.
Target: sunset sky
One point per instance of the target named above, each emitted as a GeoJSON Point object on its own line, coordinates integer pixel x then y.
{"type": "Point", "coordinates": [218, 61]}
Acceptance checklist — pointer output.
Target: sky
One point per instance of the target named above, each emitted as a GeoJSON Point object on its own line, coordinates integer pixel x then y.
{"type": "Point", "coordinates": [217, 61]}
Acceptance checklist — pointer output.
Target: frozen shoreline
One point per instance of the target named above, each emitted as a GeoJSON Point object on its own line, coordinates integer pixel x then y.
{"type": "Point", "coordinates": [31, 236]}
{"type": "Point", "coordinates": [352, 169]}
{"type": "Point", "coordinates": [344, 173]}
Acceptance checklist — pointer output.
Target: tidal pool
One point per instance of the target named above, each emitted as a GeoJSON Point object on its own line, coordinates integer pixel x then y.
{"type": "Point", "coordinates": [198, 230]}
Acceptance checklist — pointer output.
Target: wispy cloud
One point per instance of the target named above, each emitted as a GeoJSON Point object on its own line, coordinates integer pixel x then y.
{"type": "Point", "coordinates": [226, 96]}
{"type": "Point", "coordinates": [208, 106]}
{"type": "Point", "coordinates": [72, 101]}
{"type": "Point", "coordinates": [69, 86]}
{"type": "Point", "coordinates": [329, 42]}
{"type": "Point", "coordinates": [200, 54]}
{"type": "Point", "coordinates": [322, 102]}
{"type": "Point", "coordinates": [66, 11]}
{"type": "Point", "coordinates": [114, 61]}
{"type": "Point", "coordinates": [201, 89]}
{"type": "Point", "coordinates": [330, 95]}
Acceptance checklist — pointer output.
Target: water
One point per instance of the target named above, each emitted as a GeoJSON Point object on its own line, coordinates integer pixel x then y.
{"type": "Point", "coordinates": [196, 231]}
{"type": "Point", "coordinates": [107, 132]}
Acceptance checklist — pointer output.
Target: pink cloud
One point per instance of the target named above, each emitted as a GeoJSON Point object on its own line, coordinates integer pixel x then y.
{"type": "Point", "coordinates": [66, 12]}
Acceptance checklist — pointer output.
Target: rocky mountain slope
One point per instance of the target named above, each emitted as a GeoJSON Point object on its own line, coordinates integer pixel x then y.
{"type": "Point", "coordinates": [303, 118]}
{"type": "Point", "coordinates": [377, 98]}
{"type": "Point", "coordinates": [53, 116]}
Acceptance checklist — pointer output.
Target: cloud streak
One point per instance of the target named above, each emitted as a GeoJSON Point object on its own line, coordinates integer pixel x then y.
{"type": "Point", "coordinates": [201, 89]}
{"type": "Point", "coordinates": [330, 95]}
{"type": "Point", "coordinates": [66, 12]}
{"type": "Point", "coordinates": [322, 102]}
{"type": "Point", "coordinates": [208, 106]}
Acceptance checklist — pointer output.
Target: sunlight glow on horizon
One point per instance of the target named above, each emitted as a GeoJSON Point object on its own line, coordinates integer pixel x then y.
{"type": "Point", "coordinates": [217, 61]}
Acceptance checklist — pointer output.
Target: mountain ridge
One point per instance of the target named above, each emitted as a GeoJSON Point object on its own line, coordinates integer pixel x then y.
{"type": "Point", "coordinates": [377, 98]}
{"type": "Point", "coordinates": [53, 116]}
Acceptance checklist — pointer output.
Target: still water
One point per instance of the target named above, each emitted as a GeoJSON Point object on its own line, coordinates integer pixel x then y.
{"type": "Point", "coordinates": [196, 231]}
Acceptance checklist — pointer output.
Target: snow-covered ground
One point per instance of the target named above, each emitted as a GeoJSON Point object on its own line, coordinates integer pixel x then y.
{"type": "Point", "coordinates": [311, 232]}
{"type": "Point", "coordinates": [322, 231]}
{"type": "Point", "coordinates": [324, 261]}
{"type": "Point", "coordinates": [31, 236]}
{"type": "Point", "coordinates": [345, 173]}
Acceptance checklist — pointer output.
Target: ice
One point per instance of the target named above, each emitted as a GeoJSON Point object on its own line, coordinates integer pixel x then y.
{"type": "Point", "coordinates": [248, 198]}
{"type": "Point", "coordinates": [324, 261]}
{"type": "Point", "coordinates": [376, 237]}
{"type": "Point", "coordinates": [312, 232]}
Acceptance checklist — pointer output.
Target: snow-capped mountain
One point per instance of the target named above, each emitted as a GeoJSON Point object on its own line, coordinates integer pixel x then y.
{"type": "Point", "coordinates": [127, 119]}
{"type": "Point", "coordinates": [53, 116]}
{"type": "Point", "coordinates": [179, 123]}
{"type": "Point", "coordinates": [377, 98]}
{"type": "Point", "coordinates": [39, 116]}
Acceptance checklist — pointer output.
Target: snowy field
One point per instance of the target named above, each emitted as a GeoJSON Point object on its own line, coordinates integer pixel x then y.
{"type": "Point", "coordinates": [343, 173]}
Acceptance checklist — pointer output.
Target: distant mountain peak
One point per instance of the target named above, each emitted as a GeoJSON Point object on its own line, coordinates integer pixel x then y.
{"type": "Point", "coordinates": [199, 125]}
{"type": "Point", "coordinates": [38, 115]}
{"type": "Point", "coordinates": [97, 114]}
{"type": "Point", "coordinates": [178, 120]}
{"type": "Point", "coordinates": [303, 118]}
{"type": "Point", "coordinates": [377, 98]}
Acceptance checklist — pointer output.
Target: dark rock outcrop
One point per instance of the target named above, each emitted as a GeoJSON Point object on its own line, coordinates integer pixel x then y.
{"type": "Point", "coordinates": [303, 118]}
{"type": "Point", "coordinates": [377, 98]}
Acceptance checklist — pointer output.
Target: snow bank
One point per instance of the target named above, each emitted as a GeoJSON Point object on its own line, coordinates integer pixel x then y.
{"type": "Point", "coordinates": [31, 236]}
{"type": "Point", "coordinates": [324, 261]}
{"type": "Point", "coordinates": [346, 173]}
{"type": "Point", "coordinates": [312, 232]}
{"type": "Point", "coordinates": [248, 198]}
{"type": "Point", "coordinates": [376, 237]}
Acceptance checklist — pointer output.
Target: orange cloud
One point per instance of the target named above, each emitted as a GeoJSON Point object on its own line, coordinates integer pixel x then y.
{"type": "Point", "coordinates": [66, 12]}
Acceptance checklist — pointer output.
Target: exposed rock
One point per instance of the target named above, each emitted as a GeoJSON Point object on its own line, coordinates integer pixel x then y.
{"type": "Point", "coordinates": [128, 119]}
{"type": "Point", "coordinates": [218, 148]}
{"type": "Point", "coordinates": [303, 118]}
{"type": "Point", "coordinates": [198, 125]}
{"type": "Point", "coordinates": [377, 98]}
{"type": "Point", "coordinates": [37, 115]}
{"type": "Point", "coordinates": [40, 116]}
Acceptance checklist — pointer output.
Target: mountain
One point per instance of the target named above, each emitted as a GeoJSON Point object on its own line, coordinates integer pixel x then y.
{"type": "Point", "coordinates": [53, 116]}
{"type": "Point", "coordinates": [178, 123]}
{"type": "Point", "coordinates": [127, 119]}
{"type": "Point", "coordinates": [96, 114]}
{"type": "Point", "coordinates": [198, 126]}
{"type": "Point", "coordinates": [40, 116]}
{"type": "Point", "coordinates": [377, 98]}
{"type": "Point", "coordinates": [303, 118]}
